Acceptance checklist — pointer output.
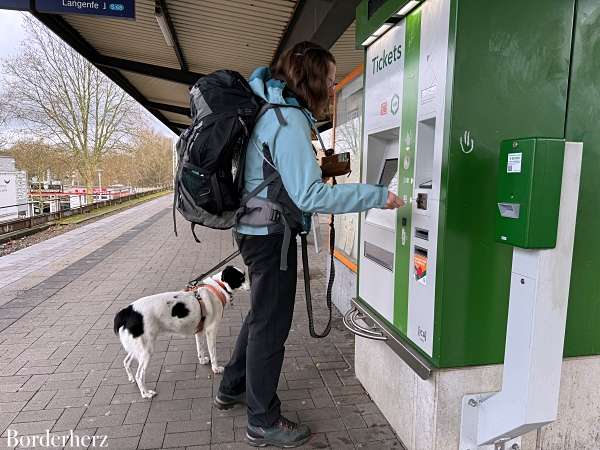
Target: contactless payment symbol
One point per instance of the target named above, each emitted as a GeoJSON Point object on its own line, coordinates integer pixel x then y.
{"type": "Point", "coordinates": [395, 104]}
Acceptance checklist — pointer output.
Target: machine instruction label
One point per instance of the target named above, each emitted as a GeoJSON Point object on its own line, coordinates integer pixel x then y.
{"type": "Point", "coordinates": [514, 163]}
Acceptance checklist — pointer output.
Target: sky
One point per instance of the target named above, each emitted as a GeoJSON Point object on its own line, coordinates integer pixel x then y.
{"type": "Point", "coordinates": [11, 32]}
{"type": "Point", "coordinates": [11, 36]}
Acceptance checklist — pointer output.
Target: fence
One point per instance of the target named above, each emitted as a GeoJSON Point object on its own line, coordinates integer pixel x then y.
{"type": "Point", "coordinates": [11, 226]}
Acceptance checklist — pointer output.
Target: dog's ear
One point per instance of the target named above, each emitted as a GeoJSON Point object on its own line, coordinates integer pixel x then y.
{"type": "Point", "coordinates": [233, 277]}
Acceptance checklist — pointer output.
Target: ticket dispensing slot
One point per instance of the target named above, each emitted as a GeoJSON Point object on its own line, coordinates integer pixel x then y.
{"type": "Point", "coordinates": [379, 256]}
{"type": "Point", "coordinates": [422, 234]}
{"type": "Point", "coordinates": [509, 210]}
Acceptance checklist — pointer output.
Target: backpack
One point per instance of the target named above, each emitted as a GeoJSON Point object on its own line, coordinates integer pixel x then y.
{"type": "Point", "coordinates": [209, 182]}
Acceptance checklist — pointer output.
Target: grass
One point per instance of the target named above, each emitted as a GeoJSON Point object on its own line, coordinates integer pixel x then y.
{"type": "Point", "coordinates": [78, 218]}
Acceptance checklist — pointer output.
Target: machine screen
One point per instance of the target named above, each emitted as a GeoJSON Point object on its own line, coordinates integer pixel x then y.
{"type": "Point", "coordinates": [390, 167]}
{"type": "Point", "coordinates": [387, 177]}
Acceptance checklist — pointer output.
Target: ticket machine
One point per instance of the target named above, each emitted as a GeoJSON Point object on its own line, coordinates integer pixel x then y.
{"type": "Point", "coordinates": [442, 89]}
{"type": "Point", "coordinates": [402, 146]}
{"type": "Point", "coordinates": [452, 87]}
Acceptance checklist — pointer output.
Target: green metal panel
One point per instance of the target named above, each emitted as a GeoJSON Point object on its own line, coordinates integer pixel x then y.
{"type": "Point", "coordinates": [407, 152]}
{"type": "Point", "coordinates": [583, 321]}
{"type": "Point", "coordinates": [510, 79]}
{"type": "Point", "coordinates": [441, 244]}
{"type": "Point", "coordinates": [529, 183]}
{"type": "Point", "coordinates": [365, 25]}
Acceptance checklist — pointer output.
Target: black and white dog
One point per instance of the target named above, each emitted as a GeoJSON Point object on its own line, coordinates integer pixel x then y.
{"type": "Point", "coordinates": [197, 312]}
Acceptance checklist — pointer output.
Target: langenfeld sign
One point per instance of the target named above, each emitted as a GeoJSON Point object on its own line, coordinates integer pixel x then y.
{"type": "Point", "coordinates": [22, 5]}
{"type": "Point", "coordinates": [124, 9]}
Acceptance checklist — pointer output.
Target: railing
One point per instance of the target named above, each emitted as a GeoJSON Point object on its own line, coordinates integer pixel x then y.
{"type": "Point", "coordinates": [11, 226]}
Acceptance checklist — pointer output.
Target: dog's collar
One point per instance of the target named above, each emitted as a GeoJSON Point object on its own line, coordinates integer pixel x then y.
{"type": "Point", "coordinates": [223, 285]}
{"type": "Point", "coordinates": [220, 295]}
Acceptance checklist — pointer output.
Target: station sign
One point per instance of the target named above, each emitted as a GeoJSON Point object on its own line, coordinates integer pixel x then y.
{"type": "Point", "coordinates": [19, 5]}
{"type": "Point", "coordinates": [123, 9]}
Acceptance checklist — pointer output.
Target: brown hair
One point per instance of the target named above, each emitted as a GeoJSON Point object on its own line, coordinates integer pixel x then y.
{"type": "Point", "coordinates": [304, 68]}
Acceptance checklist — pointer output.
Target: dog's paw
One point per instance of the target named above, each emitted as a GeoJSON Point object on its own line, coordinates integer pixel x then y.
{"type": "Point", "coordinates": [131, 379]}
{"type": "Point", "coordinates": [217, 369]}
{"type": "Point", "coordinates": [149, 393]}
{"type": "Point", "coordinates": [204, 360]}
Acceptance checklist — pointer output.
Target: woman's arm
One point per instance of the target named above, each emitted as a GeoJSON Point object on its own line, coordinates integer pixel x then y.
{"type": "Point", "coordinates": [301, 175]}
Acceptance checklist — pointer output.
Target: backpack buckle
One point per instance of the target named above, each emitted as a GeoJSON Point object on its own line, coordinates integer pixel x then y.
{"type": "Point", "coordinates": [275, 215]}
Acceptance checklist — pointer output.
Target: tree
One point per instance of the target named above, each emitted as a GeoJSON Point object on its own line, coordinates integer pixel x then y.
{"type": "Point", "coordinates": [37, 158]}
{"type": "Point", "coordinates": [147, 162]}
{"type": "Point", "coordinates": [152, 159]}
{"type": "Point", "coordinates": [63, 99]}
{"type": "Point", "coordinates": [117, 168]}
{"type": "Point", "coordinates": [3, 122]}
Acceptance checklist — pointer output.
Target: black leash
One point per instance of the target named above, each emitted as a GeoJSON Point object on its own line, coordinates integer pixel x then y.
{"type": "Point", "coordinates": [197, 280]}
{"type": "Point", "coordinates": [309, 310]}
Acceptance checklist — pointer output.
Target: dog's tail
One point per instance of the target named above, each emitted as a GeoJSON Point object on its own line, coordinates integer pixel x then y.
{"type": "Point", "coordinates": [131, 320]}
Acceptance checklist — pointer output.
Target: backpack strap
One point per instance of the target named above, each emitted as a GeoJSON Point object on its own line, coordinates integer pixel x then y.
{"type": "Point", "coordinates": [175, 206]}
{"type": "Point", "coordinates": [176, 197]}
{"type": "Point", "coordinates": [193, 225]}
{"type": "Point", "coordinates": [279, 115]}
{"type": "Point", "coordinates": [260, 187]}
{"type": "Point", "coordinates": [267, 106]}
{"type": "Point", "coordinates": [287, 237]}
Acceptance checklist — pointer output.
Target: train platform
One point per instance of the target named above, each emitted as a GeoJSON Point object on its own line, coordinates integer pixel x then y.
{"type": "Point", "coordinates": [61, 370]}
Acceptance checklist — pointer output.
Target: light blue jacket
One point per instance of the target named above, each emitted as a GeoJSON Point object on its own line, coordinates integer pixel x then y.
{"type": "Point", "coordinates": [294, 159]}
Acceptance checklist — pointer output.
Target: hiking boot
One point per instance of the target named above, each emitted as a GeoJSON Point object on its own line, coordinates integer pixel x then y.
{"type": "Point", "coordinates": [284, 434]}
{"type": "Point", "coordinates": [226, 401]}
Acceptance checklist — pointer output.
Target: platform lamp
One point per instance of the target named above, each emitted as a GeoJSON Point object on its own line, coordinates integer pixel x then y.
{"type": "Point", "coordinates": [99, 172]}
{"type": "Point", "coordinates": [389, 23]}
{"type": "Point", "coordinates": [163, 24]}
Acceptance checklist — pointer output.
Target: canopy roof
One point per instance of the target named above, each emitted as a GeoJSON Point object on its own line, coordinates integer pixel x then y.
{"type": "Point", "coordinates": [206, 35]}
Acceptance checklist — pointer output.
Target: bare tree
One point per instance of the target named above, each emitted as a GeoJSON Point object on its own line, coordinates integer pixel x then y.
{"type": "Point", "coordinates": [117, 168]}
{"type": "Point", "coordinates": [3, 122]}
{"type": "Point", "coordinates": [64, 100]}
{"type": "Point", "coordinates": [152, 159]}
{"type": "Point", "coordinates": [146, 163]}
{"type": "Point", "coordinates": [348, 137]}
{"type": "Point", "coordinates": [37, 158]}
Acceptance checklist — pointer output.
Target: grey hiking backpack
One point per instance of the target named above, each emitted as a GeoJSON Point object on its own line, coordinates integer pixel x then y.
{"type": "Point", "coordinates": [208, 185]}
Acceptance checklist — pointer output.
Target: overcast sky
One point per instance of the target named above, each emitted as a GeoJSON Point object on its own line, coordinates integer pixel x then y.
{"type": "Point", "coordinates": [11, 36]}
{"type": "Point", "coordinates": [12, 32]}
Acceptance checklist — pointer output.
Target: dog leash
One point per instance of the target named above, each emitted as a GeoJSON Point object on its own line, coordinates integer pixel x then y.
{"type": "Point", "coordinates": [193, 283]}
{"type": "Point", "coordinates": [309, 310]}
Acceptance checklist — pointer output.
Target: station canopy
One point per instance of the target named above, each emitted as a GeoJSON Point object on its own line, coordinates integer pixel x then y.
{"type": "Point", "coordinates": [157, 56]}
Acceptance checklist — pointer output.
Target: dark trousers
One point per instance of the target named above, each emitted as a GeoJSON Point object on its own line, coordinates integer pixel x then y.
{"type": "Point", "coordinates": [257, 358]}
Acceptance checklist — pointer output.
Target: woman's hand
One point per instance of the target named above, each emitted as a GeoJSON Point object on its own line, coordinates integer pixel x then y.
{"type": "Point", "coordinates": [393, 201]}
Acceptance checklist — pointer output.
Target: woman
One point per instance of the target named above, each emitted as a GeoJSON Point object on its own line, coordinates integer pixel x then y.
{"type": "Point", "coordinates": [304, 77]}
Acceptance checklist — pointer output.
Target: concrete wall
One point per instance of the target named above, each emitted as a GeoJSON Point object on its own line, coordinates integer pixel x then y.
{"type": "Point", "coordinates": [426, 414]}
